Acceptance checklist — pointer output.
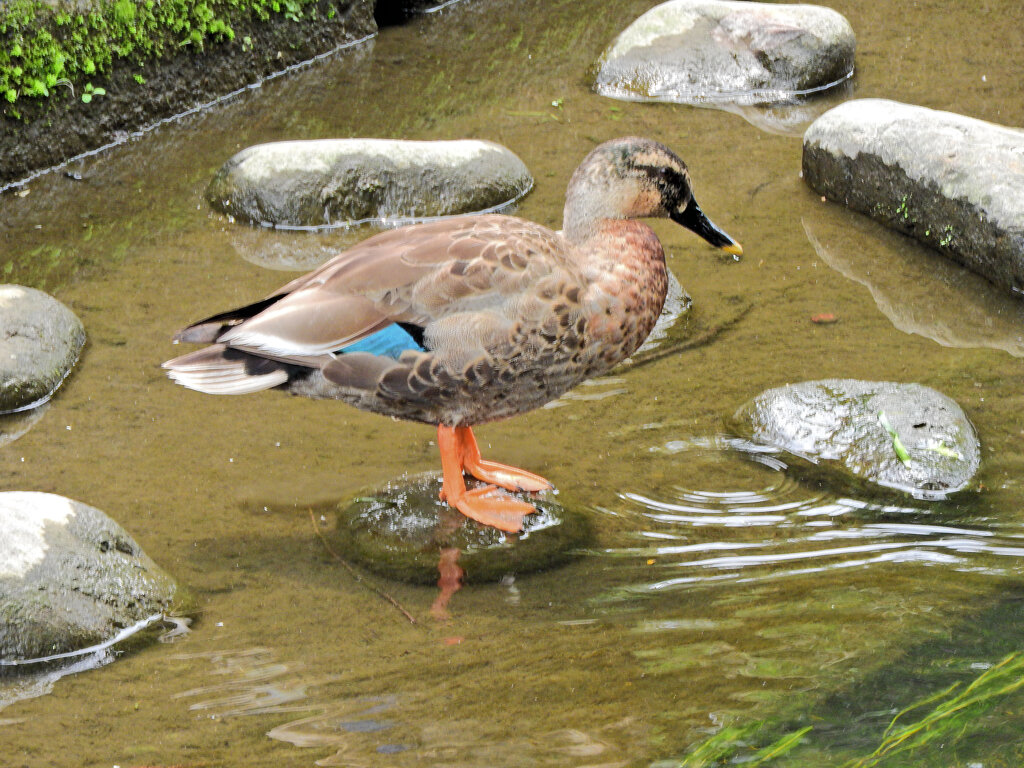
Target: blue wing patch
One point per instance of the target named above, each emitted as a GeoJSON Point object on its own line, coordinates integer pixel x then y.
{"type": "Point", "coordinates": [389, 342]}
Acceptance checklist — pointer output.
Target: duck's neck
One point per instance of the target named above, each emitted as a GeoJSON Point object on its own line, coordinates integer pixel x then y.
{"type": "Point", "coordinates": [594, 197]}
{"type": "Point", "coordinates": [584, 214]}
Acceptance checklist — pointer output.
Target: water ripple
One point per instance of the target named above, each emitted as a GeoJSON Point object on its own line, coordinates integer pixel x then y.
{"type": "Point", "coordinates": [679, 536]}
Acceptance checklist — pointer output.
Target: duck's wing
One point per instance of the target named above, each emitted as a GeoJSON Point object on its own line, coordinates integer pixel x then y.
{"type": "Point", "coordinates": [414, 275]}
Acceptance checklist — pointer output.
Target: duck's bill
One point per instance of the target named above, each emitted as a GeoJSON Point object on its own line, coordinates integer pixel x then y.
{"type": "Point", "coordinates": [693, 218]}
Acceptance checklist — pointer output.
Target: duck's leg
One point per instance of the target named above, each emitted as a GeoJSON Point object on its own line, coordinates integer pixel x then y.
{"type": "Point", "coordinates": [486, 505]}
{"type": "Point", "coordinates": [512, 478]}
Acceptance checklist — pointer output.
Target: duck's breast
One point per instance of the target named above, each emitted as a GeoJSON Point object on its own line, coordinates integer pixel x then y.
{"type": "Point", "coordinates": [627, 286]}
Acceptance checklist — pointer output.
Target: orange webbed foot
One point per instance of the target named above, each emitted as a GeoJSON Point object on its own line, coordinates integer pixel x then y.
{"type": "Point", "coordinates": [508, 477]}
{"type": "Point", "coordinates": [486, 505]}
{"type": "Point", "coordinates": [490, 506]}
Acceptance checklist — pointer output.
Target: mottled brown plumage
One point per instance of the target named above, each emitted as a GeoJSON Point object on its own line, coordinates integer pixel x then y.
{"type": "Point", "coordinates": [508, 314]}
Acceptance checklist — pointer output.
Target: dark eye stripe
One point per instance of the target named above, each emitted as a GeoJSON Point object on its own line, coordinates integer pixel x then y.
{"type": "Point", "coordinates": [671, 182]}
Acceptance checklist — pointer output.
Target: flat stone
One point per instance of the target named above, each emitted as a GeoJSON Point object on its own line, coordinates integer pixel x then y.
{"type": "Point", "coordinates": [400, 531]}
{"type": "Point", "coordinates": [952, 182]}
{"type": "Point", "coordinates": [70, 577]}
{"type": "Point", "coordinates": [345, 182]}
{"type": "Point", "coordinates": [39, 344]}
{"type": "Point", "coordinates": [838, 425]}
{"type": "Point", "coordinates": [727, 52]}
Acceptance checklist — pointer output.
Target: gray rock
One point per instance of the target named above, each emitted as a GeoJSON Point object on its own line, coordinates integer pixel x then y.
{"type": "Point", "coordinates": [343, 182]}
{"type": "Point", "coordinates": [722, 51]}
{"type": "Point", "coordinates": [70, 577]}
{"type": "Point", "coordinates": [837, 424]}
{"type": "Point", "coordinates": [953, 182]}
{"type": "Point", "coordinates": [39, 344]}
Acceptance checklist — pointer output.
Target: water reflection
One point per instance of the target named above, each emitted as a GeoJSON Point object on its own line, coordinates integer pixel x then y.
{"type": "Point", "coordinates": [791, 118]}
{"type": "Point", "coordinates": [291, 251]}
{"type": "Point", "coordinates": [28, 678]}
{"type": "Point", "coordinates": [14, 425]}
{"type": "Point", "coordinates": [917, 290]}
{"type": "Point", "coordinates": [388, 729]}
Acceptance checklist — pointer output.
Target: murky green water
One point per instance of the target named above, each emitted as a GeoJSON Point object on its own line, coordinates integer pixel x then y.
{"type": "Point", "coordinates": [719, 590]}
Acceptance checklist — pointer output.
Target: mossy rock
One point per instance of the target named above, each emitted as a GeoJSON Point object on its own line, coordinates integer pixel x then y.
{"type": "Point", "coordinates": [347, 182]}
{"type": "Point", "coordinates": [399, 532]}
{"type": "Point", "coordinates": [726, 52]}
{"type": "Point", "coordinates": [953, 182]}
{"type": "Point", "coordinates": [70, 578]}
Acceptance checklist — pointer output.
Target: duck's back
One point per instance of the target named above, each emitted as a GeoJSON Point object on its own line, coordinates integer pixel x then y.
{"type": "Point", "coordinates": [529, 317]}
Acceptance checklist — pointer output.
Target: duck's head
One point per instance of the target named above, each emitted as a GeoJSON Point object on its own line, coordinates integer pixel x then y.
{"type": "Point", "coordinates": [635, 178]}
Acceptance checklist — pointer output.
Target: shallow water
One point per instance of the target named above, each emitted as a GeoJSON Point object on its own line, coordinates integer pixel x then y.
{"type": "Point", "coordinates": [720, 589]}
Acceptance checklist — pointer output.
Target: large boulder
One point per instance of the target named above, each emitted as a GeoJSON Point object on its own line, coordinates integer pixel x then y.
{"type": "Point", "coordinates": [40, 343]}
{"type": "Point", "coordinates": [343, 182]}
{"type": "Point", "coordinates": [70, 577]}
{"type": "Point", "coordinates": [905, 437]}
{"type": "Point", "coordinates": [723, 51]}
{"type": "Point", "coordinates": [953, 182]}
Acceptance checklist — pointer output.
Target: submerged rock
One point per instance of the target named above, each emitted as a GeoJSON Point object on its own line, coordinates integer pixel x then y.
{"type": "Point", "coordinates": [342, 182]}
{"type": "Point", "coordinates": [401, 531]}
{"type": "Point", "coordinates": [40, 344]}
{"type": "Point", "coordinates": [70, 577]}
{"type": "Point", "coordinates": [723, 51]}
{"type": "Point", "coordinates": [953, 182]}
{"type": "Point", "coordinates": [906, 437]}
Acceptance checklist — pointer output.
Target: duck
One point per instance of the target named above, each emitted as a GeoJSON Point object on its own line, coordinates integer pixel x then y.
{"type": "Point", "coordinates": [466, 320]}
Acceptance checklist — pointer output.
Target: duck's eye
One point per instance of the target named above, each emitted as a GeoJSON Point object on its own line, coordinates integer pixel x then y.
{"type": "Point", "coordinates": [665, 177]}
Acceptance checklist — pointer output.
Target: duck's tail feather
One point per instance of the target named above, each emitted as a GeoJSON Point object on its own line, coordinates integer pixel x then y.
{"type": "Point", "coordinates": [220, 370]}
{"type": "Point", "coordinates": [208, 330]}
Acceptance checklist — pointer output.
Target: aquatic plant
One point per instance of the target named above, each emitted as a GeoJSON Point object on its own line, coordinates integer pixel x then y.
{"type": "Point", "coordinates": [733, 744]}
{"type": "Point", "coordinates": [952, 717]}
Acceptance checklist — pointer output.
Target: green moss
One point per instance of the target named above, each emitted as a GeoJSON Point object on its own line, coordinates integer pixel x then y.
{"type": "Point", "coordinates": [42, 47]}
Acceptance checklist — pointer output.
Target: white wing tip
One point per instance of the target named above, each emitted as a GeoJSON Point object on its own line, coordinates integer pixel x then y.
{"type": "Point", "coordinates": [225, 381]}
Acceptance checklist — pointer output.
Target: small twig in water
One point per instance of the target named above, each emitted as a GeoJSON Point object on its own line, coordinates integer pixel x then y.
{"type": "Point", "coordinates": [355, 574]}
